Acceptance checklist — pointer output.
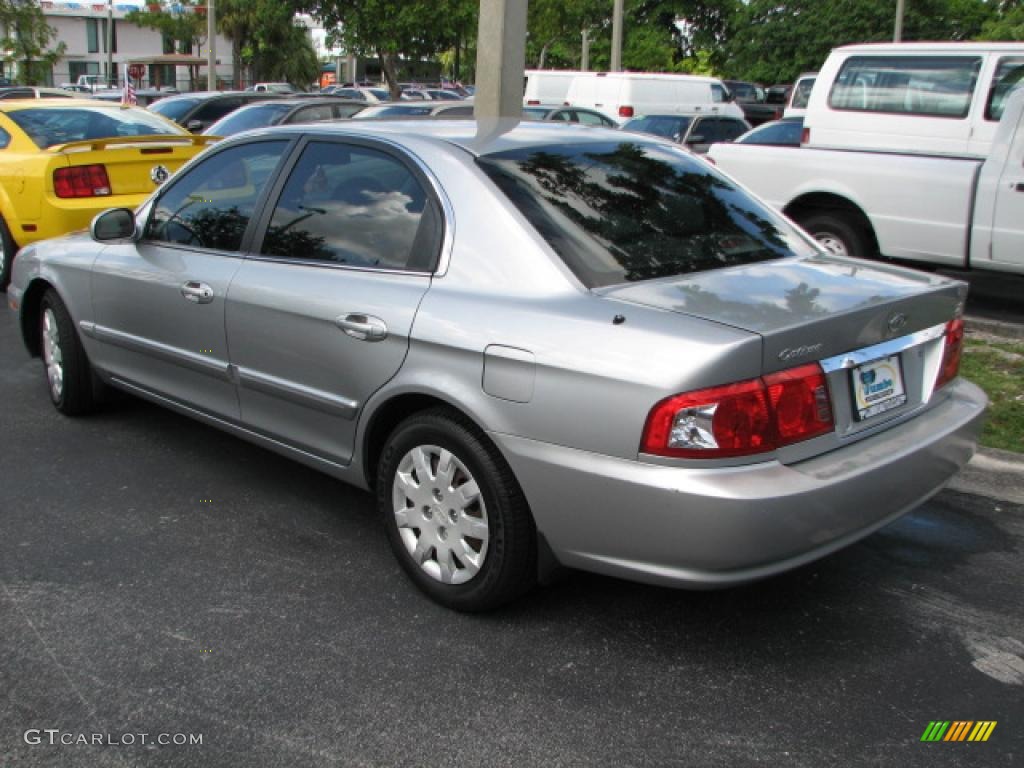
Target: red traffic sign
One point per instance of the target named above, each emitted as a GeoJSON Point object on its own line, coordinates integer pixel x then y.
{"type": "Point", "coordinates": [136, 71]}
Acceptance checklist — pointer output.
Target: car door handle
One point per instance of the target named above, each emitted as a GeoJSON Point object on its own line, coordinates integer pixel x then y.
{"type": "Point", "coordinates": [197, 293]}
{"type": "Point", "coordinates": [363, 327]}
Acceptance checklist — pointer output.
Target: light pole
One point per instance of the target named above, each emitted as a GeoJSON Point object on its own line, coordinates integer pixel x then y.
{"type": "Point", "coordinates": [211, 45]}
{"type": "Point", "coordinates": [110, 42]}
{"type": "Point", "coordinates": [585, 52]}
{"type": "Point", "coordinates": [897, 33]}
{"type": "Point", "coordinates": [617, 36]}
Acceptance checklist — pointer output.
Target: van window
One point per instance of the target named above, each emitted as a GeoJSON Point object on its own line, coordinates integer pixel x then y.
{"type": "Point", "coordinates": [718, 94]}
{"type": "Point", "coordinates": [930, 86]}
{"type": "Point", "coordinates": [802, 93]}
{"type": "Point", "coordinates": [1009, 75]}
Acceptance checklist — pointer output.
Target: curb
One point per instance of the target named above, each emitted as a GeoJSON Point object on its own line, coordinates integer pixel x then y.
{"type": "Point", "coordinates": [993, 473]}
{"type": "Point", "coordinates": [994, 327]}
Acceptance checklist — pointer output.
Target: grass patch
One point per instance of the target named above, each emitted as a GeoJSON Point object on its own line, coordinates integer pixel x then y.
{"type": "Point", "coordinates": [997, 366]}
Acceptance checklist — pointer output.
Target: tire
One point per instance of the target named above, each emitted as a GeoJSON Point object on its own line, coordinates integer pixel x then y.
{"type": "Point", "coordinates": [69, 378]}
{"type": "Point", "coordinates": [838, 233]}
{"type": "Point", "coordinates": [471, 554]}
{"type": "Point", "coordinates": [7, 251]}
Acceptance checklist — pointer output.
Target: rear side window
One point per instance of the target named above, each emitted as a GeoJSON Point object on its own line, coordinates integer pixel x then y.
{"type": "Point", "coordinates": [355, 206]}
{"type": "Point", "coordinates": [625, 211]}
{"type": "Point", "coordinates": [928, 86]}
{"type": "Point", "coordinates": [1009, 75]}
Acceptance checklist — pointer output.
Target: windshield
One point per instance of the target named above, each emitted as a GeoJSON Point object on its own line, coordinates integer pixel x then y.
{"type": "Point", "coordinates": [173, 109]}
{"type": "Point", "coordinates": [666, 126]}
{"type": "Point", "coordinates": [247, 118]}
{"type": "Point", "coordinates": [49, 127]}
{"type": "Point", "coordinates": [625, 211]}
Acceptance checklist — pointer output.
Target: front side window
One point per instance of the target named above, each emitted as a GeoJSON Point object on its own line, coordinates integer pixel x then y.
{"type": "Point", "coordinates": [718, 94]}
{"type": "Point", "coordinates": [732, 129]}
{"type": "Point", "coordinates": [589, 118]}
{"type": "Point", "coordinates": [929, 86]}
{"type": "Point", "coordinates": [314, 114]}
{"type": "Point", "coordinates": [355, 206]}
{"type": "Point", "coordinates": [248, 118]}
{"type": "Point", "coordinates": [1009, 75]}
{"type": "Point", "coordinates": [666, 126]}
{"type": "Point", "coordinates": [802, 93]}
{"type": "Point", "coordinates": [631, 210]}
{"type": "Point", "coordinates": [211, 205]}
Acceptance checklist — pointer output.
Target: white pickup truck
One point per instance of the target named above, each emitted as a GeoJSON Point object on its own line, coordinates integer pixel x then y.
{"type": "Point", "coordinates": [954, 210]}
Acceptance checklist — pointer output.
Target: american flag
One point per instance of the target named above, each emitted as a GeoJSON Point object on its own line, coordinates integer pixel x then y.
{"type": "Point", "coordinates": [128, 94]}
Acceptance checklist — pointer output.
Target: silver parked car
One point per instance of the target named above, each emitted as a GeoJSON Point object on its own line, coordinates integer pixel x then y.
{"type": "Point", "coordinates": [554, 346]}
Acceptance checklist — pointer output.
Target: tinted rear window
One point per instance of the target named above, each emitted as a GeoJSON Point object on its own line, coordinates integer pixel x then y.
{"type": "Point", "coordinates": [666, 126]}
{"type": "Point", "coordinates": [173, 109]}
{"type": "Point", "coordinates": [49, 127]}
{"type": "Point", "coordinates": [626, 211]}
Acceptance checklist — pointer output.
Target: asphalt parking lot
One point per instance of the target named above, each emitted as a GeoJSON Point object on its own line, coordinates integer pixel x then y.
{"type": "Point", "coordinates": [157, 576]}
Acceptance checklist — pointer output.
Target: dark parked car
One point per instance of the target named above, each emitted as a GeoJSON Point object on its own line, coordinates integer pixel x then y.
{"type": "Point", "coordinates": [778, 133]}
{"type": "Point", "coordinates": [697, 133]}
{"type": "Point", "coordinates": [751, 98]}
{"type": "Point", "coordinates": [31, 92]}
{"type": "Point", "coordinates": [308, 109]}
{"type": "Point", "coordinates": [778, 94]}
{"type": "Point", "coordinates": [198, 111]}
{"type": "Point", "coordinates": [568, 115]}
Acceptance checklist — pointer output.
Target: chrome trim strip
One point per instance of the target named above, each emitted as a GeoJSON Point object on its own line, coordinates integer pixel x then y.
{"type": "Point", "coordinates": [885, 349]}
{"type": "Point", "coordinates": [194, 361]}
{"type": "Point", "coordinates": [318, 400]}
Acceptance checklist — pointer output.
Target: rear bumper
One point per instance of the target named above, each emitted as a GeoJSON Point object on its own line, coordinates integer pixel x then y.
{"type": "Point", "coordinates": [715, 527]}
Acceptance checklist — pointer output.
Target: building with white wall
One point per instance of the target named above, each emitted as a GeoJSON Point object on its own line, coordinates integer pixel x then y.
{"type": "Point", "coordinates": [82, 27]}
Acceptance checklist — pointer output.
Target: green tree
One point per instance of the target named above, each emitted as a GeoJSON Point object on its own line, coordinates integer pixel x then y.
{"type": "Point", "coordinates": [774, 40]}
{"type": "Point", "coordinates": [1007, 22]}
{"type": "Point", "coordinates": [266, 42]}
{"type": "Point", "coordinates": [27, 39]}
{"type": "Point", "coordinates": [391, 29]}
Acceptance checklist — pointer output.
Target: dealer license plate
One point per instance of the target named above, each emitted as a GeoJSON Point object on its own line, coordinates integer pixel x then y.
{"type": "Point", "coordinates": [877, 387]}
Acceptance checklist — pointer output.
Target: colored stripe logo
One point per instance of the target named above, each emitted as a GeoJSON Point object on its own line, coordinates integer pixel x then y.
{"type": "Point", "coordinates": [958, 730]}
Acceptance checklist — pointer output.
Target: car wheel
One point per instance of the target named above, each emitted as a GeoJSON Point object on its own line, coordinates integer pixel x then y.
{"type": "Point", "coordinates": [7, 250]}
{"type": "Point", "coordinates": [69, 378]}
{"type": "Point", "coordinates": [456, 518]}
{"type": "Point", "coordinates": [837, 233]}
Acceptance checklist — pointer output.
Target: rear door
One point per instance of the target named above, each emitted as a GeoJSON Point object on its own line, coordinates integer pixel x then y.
{"type": "Point", "coordinates": [159, 302]}
{"type": "Point", "coordinates": [1008, 221]}
{"type": "Point", "coordinates": [320, 318]}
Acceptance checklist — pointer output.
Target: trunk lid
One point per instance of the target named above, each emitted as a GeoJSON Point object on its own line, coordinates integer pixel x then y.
{"type": "Point", "coordinates": [136, 165]}
{"type": "Point", "coordinates": [807, 308]}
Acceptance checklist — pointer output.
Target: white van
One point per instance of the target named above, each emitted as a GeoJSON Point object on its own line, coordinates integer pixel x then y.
{"type": "Point", "coordinates": [930, 98]}
{"type": "Point", "coordinates": [622, 95]}
{"type": "Point", "coordinates": [547, 86]}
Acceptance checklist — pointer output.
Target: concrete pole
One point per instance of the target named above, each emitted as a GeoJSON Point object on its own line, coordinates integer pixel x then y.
{"type": "Point", "coordinates": [500, 60]}
{"type": "Point", "coordinates": [585, 53]}
{"type": "Point", "coordinates": [110, 43]}
{"type": "Point", "coordinates": [617, 37]}
{"type": "Point", "coordinates": [211, 45]}
{"type": "Point", "coordinates": [897, 33]}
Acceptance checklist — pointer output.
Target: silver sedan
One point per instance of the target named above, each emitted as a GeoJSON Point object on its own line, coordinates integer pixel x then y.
{"type": "Point", "coordinates": [556, 346]}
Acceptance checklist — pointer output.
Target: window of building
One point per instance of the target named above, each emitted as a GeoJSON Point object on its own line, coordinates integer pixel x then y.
{"type": "Point", "coordinates": [92, 35]}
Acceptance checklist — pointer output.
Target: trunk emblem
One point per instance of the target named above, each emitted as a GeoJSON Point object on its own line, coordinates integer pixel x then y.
{"type": "Point", "coordinates": [896, 321]}
{"type": "Point", "coordinates": [794, 352]}
{"type": "Point", "coordinates": [159, 174]}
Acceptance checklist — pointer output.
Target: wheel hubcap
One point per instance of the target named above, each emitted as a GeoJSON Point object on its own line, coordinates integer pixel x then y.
{"type": "Point", "coordinates": [832, 243]}
{"type": "Point", "coordinates": [53, 358]}
{"type": "Point", "coordinates": [440, 514]}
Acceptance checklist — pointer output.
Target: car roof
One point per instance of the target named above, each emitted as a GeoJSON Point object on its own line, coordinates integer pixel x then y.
{"type": "Point", "coordinates": [465, 134]}
{"type": "Point", "coordinates": [205, 95]}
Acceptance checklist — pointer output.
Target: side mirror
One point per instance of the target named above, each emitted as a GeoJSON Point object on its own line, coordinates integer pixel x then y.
{"type": "Point", "coordinates": [194, 125]}
{"type": "Point", "coordinates": [115, 224]}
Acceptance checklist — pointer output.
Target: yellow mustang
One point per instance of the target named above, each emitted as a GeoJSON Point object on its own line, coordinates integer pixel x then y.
{"type": "Point", "coordinates": [63, 161]}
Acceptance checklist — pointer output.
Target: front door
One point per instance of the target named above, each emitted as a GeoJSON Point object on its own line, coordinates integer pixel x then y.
{"type": "Point", "coordinates": [159, 303]}
{"type": "Point", "coordinates": [320, 319]}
